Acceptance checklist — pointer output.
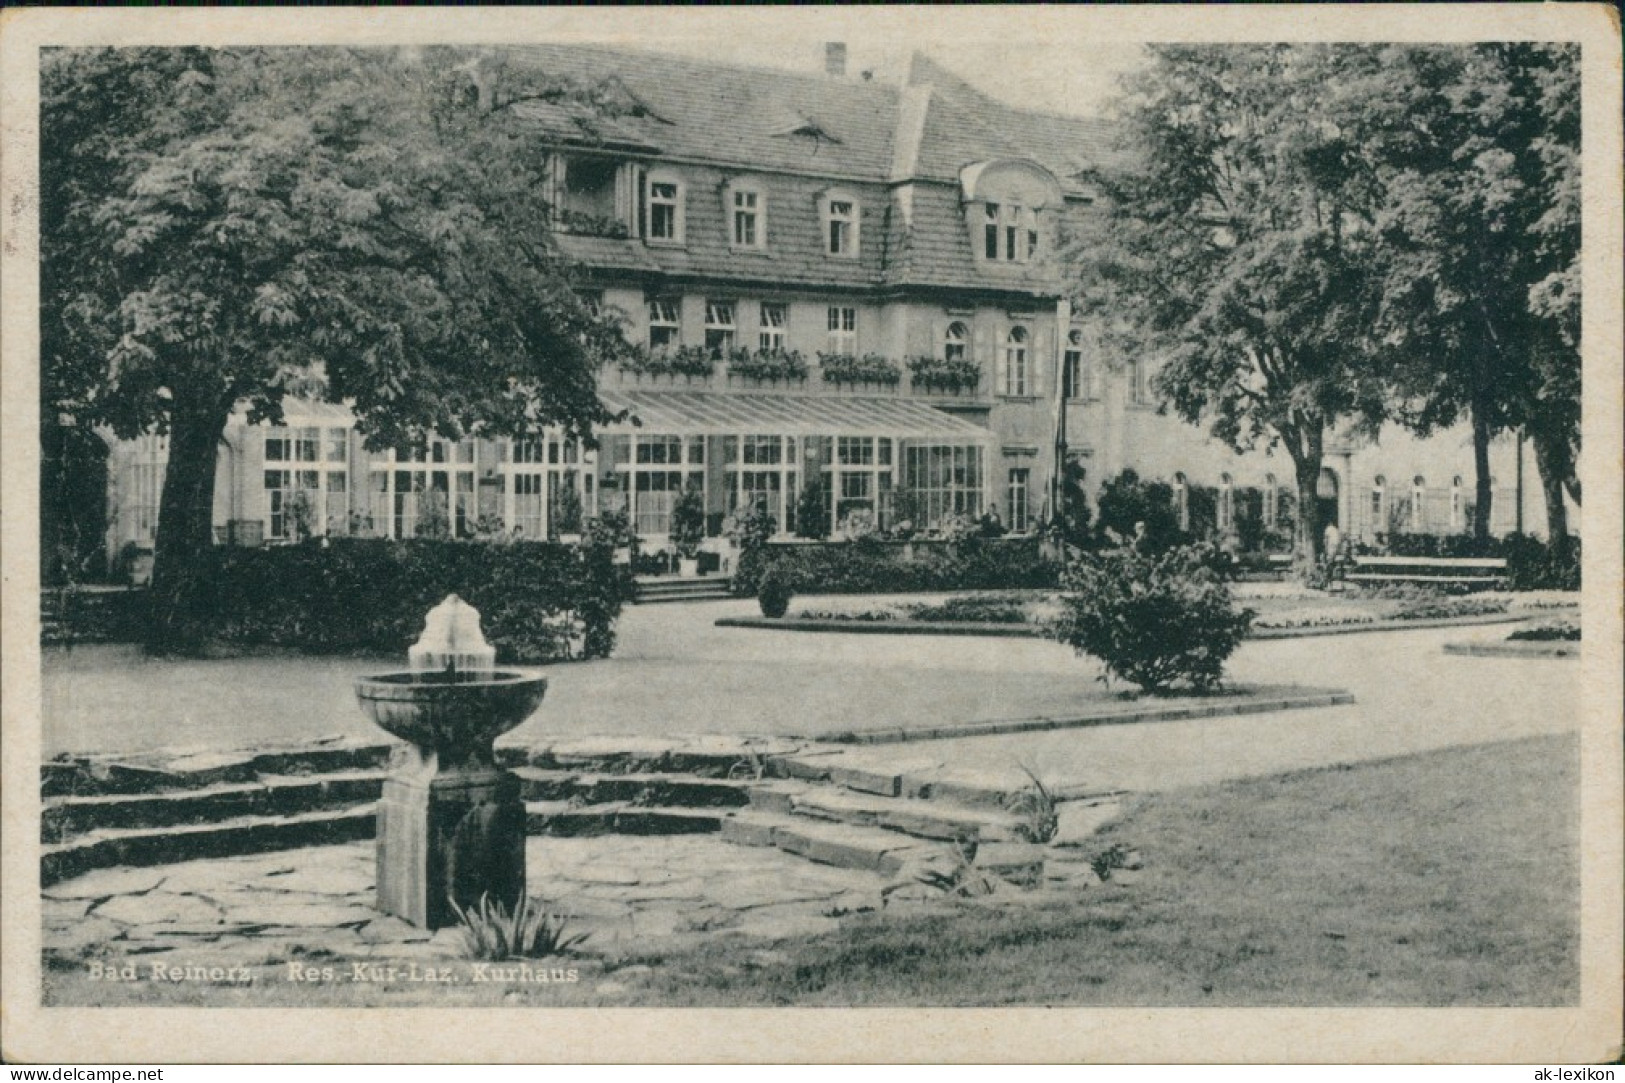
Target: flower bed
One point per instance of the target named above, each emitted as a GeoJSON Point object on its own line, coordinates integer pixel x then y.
{"type": "Point", "coordinates": [1277, 611]}
{"type": "Point", "coordinates": [1555, 631]}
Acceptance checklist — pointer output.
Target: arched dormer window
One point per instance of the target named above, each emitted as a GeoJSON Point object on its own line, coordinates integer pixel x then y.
{"type": "Point", "coordinates": [1005, 201]}
{"type": "Point", "coordinates": [664, 217]}
{"type": "Point", "coordinates": [842, 222]}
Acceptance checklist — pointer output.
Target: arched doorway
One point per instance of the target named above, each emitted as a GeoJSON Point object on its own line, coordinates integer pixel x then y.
{"type": "Point", "coordinates": [1326, 495]}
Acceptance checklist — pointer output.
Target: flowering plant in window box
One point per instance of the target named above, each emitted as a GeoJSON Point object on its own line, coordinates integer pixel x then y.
{"type": "Point", "coordinates": [583, 224]}
{"type": "Point", "coordinates": [689, 361]}
{"type": "Point", "coordinates": [773, 365]}
{"type": "Point", "coordinates": [871, 368]}
{"type": "Point", "coordinates": [952, 375]}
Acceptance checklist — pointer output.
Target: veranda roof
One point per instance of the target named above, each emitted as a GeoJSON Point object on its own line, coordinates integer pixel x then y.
{"type": "Point", "coordinates": [706, 413]}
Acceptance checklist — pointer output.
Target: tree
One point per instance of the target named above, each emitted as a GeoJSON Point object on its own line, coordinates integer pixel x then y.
{"type": "Point", "coordinates": [238, 225]}
{"type": "Point", "coordinates": [1476, 149]}
{"type": "Point", "coordinates": [1232, 243]}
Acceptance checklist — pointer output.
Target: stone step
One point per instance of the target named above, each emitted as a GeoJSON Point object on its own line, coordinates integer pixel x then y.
{"type": "Point", "coordinates": [676, 790]}
{"type": "Point", "coordinates": [565, 819]}
{"type": "Point", "coordinates": [272, 795]}
{"type": "Point", "coordinates": [848, 846]}
{"type": "Point", "coordinates": [712, 595]}
{"type": "Point", "coordinates": [106, 847]}
{"type": "Point", "coordinates": [654, 591]}
{"type": "Point", "coordinates": [934, 820]}
{"type": "Point", "coordinates": [717, 757]}
{"type": "Point", "coordinates": [160, 771]}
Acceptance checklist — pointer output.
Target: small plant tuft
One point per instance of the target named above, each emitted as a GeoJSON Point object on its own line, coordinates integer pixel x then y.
{"type": "Point", "coordinates": [1109, 860]}
{"type": "Point", "coordinates": [1036, 806]}
{"type": "Point", "coordinates": [491, 931]}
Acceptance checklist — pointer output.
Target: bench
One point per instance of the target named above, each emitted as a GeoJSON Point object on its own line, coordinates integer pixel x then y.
{"type": "Point", "coordinates": [1472, 571]}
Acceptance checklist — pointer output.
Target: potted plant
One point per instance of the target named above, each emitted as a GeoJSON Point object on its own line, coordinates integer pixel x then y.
{"type": "Point", "coordinates": [688, 531]}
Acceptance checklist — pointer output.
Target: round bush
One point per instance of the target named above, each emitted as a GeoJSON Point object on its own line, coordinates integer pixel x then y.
{"type": "Point", "coordinates": [774, 594]}
{"type": "Point", "coordinates": [1157, 620]}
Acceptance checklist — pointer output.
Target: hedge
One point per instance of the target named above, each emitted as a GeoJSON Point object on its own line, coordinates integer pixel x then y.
{"type": "Point", "coordinates": [1532, 563]}
{"type": "Point", "coordinates": [538, 601]}
{"type": "Point", "coordinates": [864, 567]}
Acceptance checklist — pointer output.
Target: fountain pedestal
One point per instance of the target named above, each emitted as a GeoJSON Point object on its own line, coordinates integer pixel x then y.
{"type": "Point", "coordinates": [445, 835]}
{"type": "Point", "coordinates": [451, 823]}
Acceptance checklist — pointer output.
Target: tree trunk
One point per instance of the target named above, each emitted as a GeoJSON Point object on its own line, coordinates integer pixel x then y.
{"type": "Point", "coordinates": [1555, 462]}
{"type": "Point", "coordinates": [1307, 454]}
{"type": "Point", "coordinates": [177, 601]}
{"type": "Point", "coordinates": [1485, 492]}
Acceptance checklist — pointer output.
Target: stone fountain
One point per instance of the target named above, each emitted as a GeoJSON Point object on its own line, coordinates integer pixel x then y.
{"type": "Point", "coordinates": [451, 823]}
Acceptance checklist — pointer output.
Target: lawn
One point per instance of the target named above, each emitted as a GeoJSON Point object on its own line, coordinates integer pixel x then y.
{"type": "Point", "coordinates": [1449, 878]}
{"type": "Point", "coordinates": [1446, 878]}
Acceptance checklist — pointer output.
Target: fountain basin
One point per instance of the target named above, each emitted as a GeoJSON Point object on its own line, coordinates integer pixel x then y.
{"type": "Point", "coordinates": [450, 712]}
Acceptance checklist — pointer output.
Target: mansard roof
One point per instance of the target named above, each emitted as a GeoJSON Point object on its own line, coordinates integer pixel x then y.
{"type": "Point", "coordinates": [721, 119]}
{"type": "Point", "coordinates": [730, 115]}
{"type": "Point", "coordinates": [930, 128]}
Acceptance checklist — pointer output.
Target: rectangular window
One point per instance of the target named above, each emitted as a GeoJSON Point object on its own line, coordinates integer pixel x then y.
{"type": "Point", "coordinates": [660, 449]}
{"type": "Point", "coordinates": [840, 228]}
{"type": "Point", "coordinates": [665, 323]}
{"type": "Point", "coordinates": [1072, 374]}
{"type": "Point", "coordinates": [1138, 383]}
{"type": "Point", "coordinates": [1019, 479]}
{"type": "Point", "coordinates": [338, 445]}
{"type": "Point", "coordinates": [843, 329]}
{"type": "Point", "coordinates": [278, 488]}
{"type": "Point", "coordinates": [775, 320]}
{"type": "Point", "coordinates": [719, 327]}
{"type": "Point", "coordinates": [747, 231]}
{"type": "Point", "coordinates": [991, 231]}
{"type": "Point", "coordinates": [945, 480]}
{"type": "Point", "coordinates": [855, 450]}
{"type": "Point", "coordinates": [338, 503]}
{"type": "Point", "coordinates": [278, 446]}
{"type": "Point", "coordinates": [307, 448]}
{"type": "Point", "coordinates": [1015, 368]}
{"type": "Point", "coordinates": [665, 201]}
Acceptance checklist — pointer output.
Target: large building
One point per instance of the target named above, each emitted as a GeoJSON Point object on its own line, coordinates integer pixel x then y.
{"type": "Point", "coordinates": [837, 282]}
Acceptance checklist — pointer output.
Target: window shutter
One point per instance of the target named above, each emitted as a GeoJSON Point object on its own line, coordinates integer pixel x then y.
{"type": "Point", "coordinates": [939, 339]}
{"type": "Point", "coordinates": [1043, 358]}
{"type": "Point", "coordinates": [642, 195]}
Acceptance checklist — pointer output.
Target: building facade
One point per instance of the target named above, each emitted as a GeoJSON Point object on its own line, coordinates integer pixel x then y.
{"type": "Point", "coordinates": [835, 284]}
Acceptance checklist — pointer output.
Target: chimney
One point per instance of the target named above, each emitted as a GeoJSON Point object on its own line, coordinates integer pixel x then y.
{"type": "Point", "coordinates": [835, 59]}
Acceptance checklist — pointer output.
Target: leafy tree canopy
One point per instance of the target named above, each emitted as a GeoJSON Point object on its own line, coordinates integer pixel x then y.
{"type": "Point", "coordinates": [1234, 245]}
{"type": "Point", "coordinates": [358, 225]}
{"type": "Point", "coordinates": [245, 224]}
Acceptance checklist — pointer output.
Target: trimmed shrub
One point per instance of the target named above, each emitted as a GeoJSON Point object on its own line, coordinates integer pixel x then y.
{"type": "Point", "coordinates": [538, 602]}
{"type": "Point", "coordinates": [775, 594]}
{"type": "Point", "coordinates": [875, 567]}
{"type": "Point", "coordinates": [1157, 620]}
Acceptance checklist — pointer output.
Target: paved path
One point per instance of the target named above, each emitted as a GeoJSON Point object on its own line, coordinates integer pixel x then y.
{"type": "Point", "coordinates": [674, 672]}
